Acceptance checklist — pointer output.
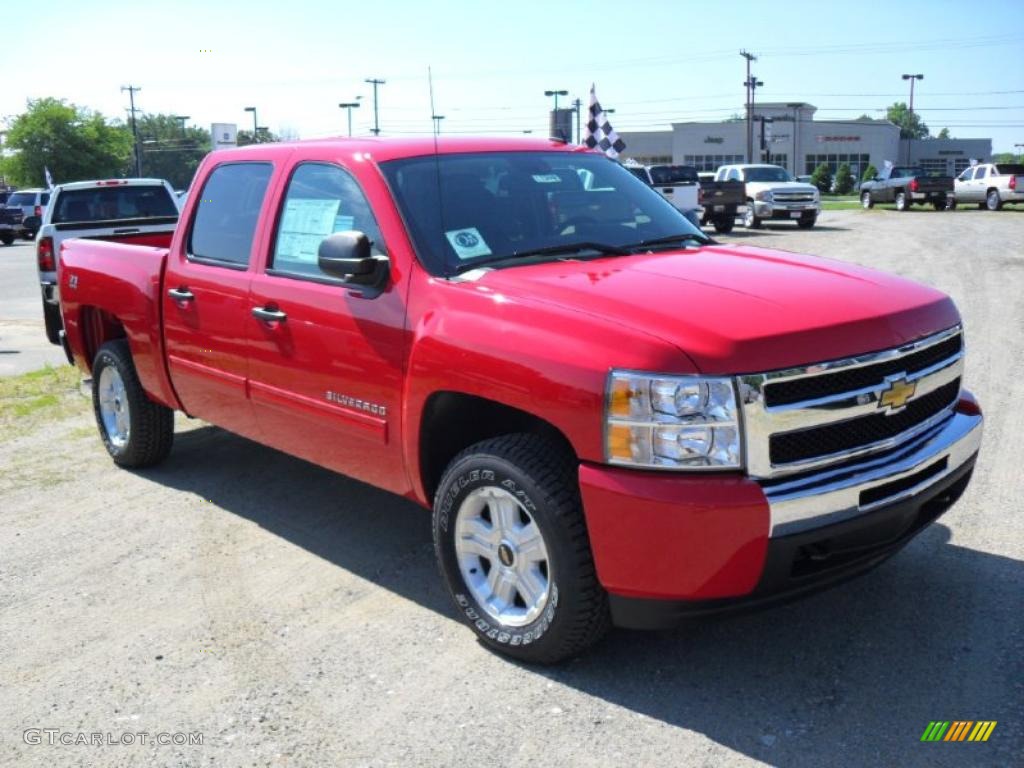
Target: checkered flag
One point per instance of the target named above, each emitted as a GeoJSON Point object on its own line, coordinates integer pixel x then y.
{"type": "Point", "coordinates": [600, 134]}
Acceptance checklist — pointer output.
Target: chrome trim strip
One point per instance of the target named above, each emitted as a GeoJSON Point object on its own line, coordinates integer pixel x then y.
{"type": "Point", "coordinates": [833, 497]}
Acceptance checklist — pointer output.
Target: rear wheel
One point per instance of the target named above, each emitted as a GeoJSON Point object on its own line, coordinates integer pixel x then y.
{"type": "Point", "coordinates": [724, 225]}
{"type": "Point", "coordinates": [902, 201]}
{"type": "Point", "coordinates": [512, 545]}
{"type": "Point", "coordinates": [866, 201]}
{"type": "Point", "coordinates": [992, 201]}
{"type": "Point", "coordinates": [135, 431]}
{"type": "Point", "coordinates": [751, 221]}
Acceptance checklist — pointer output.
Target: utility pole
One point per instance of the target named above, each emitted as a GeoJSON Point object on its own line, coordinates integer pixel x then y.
{"type": "Point", "coordinates": [376, 121]}
{"type": "Point", "coordinates": [795, 106]}
{"type": "Point", "coordinates": [750, 106]}
{"type": "Point", "coordinates": [349, 106]}
{"type": "Point", "coordinates": [577, 104]}
{"type": "Point", "coordinates": [1020, 153]}
{"type": "Point", "coordinates": [135, 130]}
{"type": "Point", "coordinates": [910, 120]}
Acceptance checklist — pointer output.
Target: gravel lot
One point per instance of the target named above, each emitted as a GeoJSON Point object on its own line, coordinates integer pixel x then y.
{"type": "Point", "coordinates": [295, 617]}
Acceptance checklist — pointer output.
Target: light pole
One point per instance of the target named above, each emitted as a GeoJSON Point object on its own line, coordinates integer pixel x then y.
{"type": "Point", "coordinates": [795, 106]}
{"type": "Point", "coordinates": [349, 106]}
{"type": "Point", "coordinates": [910, 120]}
{"type": "Point", "coordinates": [255, 130]}
{"type": "Point", "coordinates": [750, 105]}
{"type": "Point", "coordinates": [181, 119]}
{"type": "Point", "coordinates": [556, 94]}
{"type": "Point", "coordinates": [1021, 158]}
{"type": "Point", "coordinates": [437, 123]}
{"type": "Point", "coordinates": [376, 122]}
{"type": "Point", "coordinates": [132, 89]}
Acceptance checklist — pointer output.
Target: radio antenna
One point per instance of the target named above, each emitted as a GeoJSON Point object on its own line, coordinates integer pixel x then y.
{"type": "Point", "coordinates": [437, 164]}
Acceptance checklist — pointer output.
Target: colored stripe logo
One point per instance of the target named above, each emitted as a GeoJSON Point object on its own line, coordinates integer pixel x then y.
{"type": "Point", "coordinates": [958, 730]}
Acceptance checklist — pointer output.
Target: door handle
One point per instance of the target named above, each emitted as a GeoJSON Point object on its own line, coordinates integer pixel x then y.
{"type": "Point", "coordinates": [268, 315]}
{"type": "Point", "coordinates": [180, 294]}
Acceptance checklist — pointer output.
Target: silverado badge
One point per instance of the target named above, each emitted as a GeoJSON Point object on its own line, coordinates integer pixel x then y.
{"type": "Point", "coordinates": [896, 396]}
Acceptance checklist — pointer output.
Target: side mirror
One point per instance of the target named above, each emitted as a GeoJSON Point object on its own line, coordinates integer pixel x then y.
{"type": "Point", "coordinates": [347, 255]}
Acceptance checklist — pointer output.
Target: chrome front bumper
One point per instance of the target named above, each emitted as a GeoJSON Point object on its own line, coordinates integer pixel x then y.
{"type": "Point", "coordinates": [835, 494]}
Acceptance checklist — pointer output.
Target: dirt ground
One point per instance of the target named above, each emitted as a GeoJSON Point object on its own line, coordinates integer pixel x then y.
{"type": "Point", "coordinates": [293, 617]}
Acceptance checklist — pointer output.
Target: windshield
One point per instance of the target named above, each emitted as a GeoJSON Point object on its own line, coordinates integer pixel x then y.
{"type": "Point", "coordinates": [767, 173]}
{"type": "Point", "coordinates": [107, 203]}
{"type": "Point", "coordinates": [22, 198]}
{"type": "Point", "coordinates": [673, 174]}
{"type": "Point", "coordinates": [466, 210]}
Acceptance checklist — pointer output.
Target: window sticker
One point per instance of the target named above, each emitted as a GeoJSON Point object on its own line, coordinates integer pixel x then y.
{"type": "Point", "coordinates": [547, 178]}
{"type": "Point", "coordinates": [467, 243]}
{"type": "Point", "coordinates": [304, 225]}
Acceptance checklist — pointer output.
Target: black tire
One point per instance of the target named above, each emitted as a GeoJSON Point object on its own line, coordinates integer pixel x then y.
{"type": "Point", "coordinates": [992, 201]}
{"type": "Point", "coordinates": [951, 203]}
{"type": "Point", "coordinates": [940, 205]}
{"type": "Point", "coordinates": [807, 222]}
{"type": "Point", "coordinates": [150, 425]}
{"type": "Point", "coordinates": [902, 203]}
{"type": "Point", "coordinates": [723, 226]}
{"type": "Point", "coordinates": [53, 321]}
{"type": "Point", "coordinates": [981, 206]}
{"type": "Point", "coordinates": [542, 478]}
{"type": "Point", "coordinates": [7, 238]}
{"type": "Point", "coordinates": [750, 220]}
{"type": "Point", "coordinates": [866, 201]}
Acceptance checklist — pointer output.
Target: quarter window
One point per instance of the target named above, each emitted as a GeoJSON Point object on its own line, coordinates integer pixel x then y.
{"type": "Point", "coordinates": [227, 213]}
{"type": "Point", "coordinates": [321, 200]}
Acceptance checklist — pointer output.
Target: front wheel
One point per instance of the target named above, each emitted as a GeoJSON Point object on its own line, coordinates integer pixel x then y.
{"type": "Point", "coordinates": [7, 238]}
{"type": "Point", "coordinates": [512, 546]}
{"type": "Point", "coordinates": [724, 225]}
{"type": "Point", "coordinates": [750, 220]}
{"type": "Point", "coordinates": [135, 431]}
{"type": "Point", "coordinates": [807, 222]}
{"type": "Point", "coordinates": [866, 201]}
{"type": "Point", "coordinates": [992, 201]}
{"type": "Point", "coordinates": [902, 201]}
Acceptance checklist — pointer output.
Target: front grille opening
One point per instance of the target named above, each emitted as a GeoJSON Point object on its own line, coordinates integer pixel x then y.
{"type": "Point", "coordinates": [872, 495]}
{"type": "Point", "coordinates": [813, 387]}
{"type": "Point", "coordinates": [805, 444]}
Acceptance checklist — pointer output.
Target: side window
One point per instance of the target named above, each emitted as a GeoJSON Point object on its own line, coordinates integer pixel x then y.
{"type": "Point", "coordinates": [967, 175]}
{"type": "Point", "coordinates": [228, 210]}
{"type": "Point", "coordinates": [734, 175]}
{"type": "Point", "coordinates": [44, 199]}
{"type": "Point", "coordinates": [321, 199]}
{"type": "Point", "coordinates": [981, 172]}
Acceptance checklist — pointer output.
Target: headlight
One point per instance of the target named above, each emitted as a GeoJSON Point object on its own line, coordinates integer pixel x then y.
{"type": "Point", "coordinates": [765, 196]}
{"type": "Point", "coordinates": [672, 422]}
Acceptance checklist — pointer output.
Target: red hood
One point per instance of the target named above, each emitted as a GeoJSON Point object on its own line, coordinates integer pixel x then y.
{"type": "Point", "coordinates": [741, 309]}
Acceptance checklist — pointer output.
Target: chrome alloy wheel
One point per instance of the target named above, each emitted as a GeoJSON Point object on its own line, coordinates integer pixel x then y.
{"type": "Point", "coordinates": [502, 556]}
{"type": "Point", "coordinates": [114, 411]}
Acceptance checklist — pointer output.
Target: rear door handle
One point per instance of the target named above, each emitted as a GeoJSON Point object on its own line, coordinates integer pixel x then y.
{"type": "Point", "coordinates": [269, 315]}
{"type": "Point", "coordinates": [180, 294]}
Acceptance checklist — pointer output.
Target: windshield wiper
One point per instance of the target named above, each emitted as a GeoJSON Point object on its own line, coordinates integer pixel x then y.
{"type": "Point", "coordinates": [670, 239]}
{"type": "Point", "coordinates": [552, 250]}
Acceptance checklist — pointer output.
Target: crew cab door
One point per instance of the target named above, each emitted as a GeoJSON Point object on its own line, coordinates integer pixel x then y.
{"type": "Point", "coordinates": [964, 186]}
{"type": "Point", "coordinates": [206, 296]}
{"type": "Point", "coordinates": [326, 357]}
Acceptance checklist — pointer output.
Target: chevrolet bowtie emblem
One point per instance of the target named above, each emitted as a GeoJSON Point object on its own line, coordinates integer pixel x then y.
{"type": "Point", "coordinates": [896, 396]}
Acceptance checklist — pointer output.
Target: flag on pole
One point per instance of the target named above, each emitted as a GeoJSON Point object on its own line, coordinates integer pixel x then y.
{"type": "Point", "coordinates": [49, 178]}
{"type": "Point", "coordinates": [600, 134]}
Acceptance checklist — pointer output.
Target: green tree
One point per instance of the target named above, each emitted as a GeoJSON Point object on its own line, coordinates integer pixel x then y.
{"type": "Point", "coordinates": [869, 173]}
{"type": "Point", "coordinates": [1007, 157]}
{"type": "Point", "coordinates": [910, 123]}
{"type": "Point", "coordinates": [169, 151]}
{"type": "Point", "coordinates": [75, 143]}
{"type": "Point", "coordinates": [822, 179]}
{"type": "Point", "coordinates": [944, 134]}
{"type": "Point", "coordinates": [844, 180]}
{"type": "Point", "coordinates": [244, 138]}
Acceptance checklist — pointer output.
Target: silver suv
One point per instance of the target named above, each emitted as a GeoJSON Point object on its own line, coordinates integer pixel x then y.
{"type": "Point", "coordinates": [32, 203]}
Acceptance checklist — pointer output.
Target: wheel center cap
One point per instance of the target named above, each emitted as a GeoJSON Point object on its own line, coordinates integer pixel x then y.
{"type": "Point", "coordinates": [506, 555]}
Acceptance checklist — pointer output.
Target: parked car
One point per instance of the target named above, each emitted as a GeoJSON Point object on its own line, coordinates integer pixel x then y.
{"type": "Point", "coordinates": [10, 225]}
{"type": "Point", "coordinates": [722, 202]}
{"type": "Point", "coordinates": [772, 194]}
{"type": "Point", "coordinates": [907, 185]}
{"type": "Point", "coordinates": [136, 211]}
{"type": "Point", "coordinates": [32, 203]}
{"type": "Point", "coordinates": [991, 185]}
{"type": "Point", "coordinates": [613, 420]}
{"type": "Point", "coordinates": [676, 183]}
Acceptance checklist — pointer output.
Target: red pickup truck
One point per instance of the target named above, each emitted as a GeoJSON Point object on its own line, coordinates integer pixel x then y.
{"type": "Point", "coordinates": [614, 419]}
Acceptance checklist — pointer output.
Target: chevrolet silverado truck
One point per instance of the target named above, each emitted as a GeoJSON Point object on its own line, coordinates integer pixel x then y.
{"type": "Point", "coordinates": [676, 183]}
{"type": "Point", "coordinates": [613, 420]}
{"type": "Point", "coordinates": [722, 202]}
{"type": "Point", "coordinates": [136, 211]}
{"type": "Point", "coordinates": [906, 186]}
{"type": "Point", "coordinates": [772, 194]}
{"type": "Point", "coordinates": [990, 185]}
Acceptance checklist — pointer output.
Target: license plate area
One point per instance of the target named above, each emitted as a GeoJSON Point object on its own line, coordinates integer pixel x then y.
{"type": "Point", "coordinates": [795, 214]}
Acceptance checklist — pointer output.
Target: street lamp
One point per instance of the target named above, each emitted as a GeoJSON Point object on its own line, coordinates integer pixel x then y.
{"type": "Point", "coordinates": [375, 81]}
{"type": "Point", "coordinates": [181, 119]}
{"type": "Point", "coordinates": [437, 123]}
{"type": "Point", "coordinates": [1021, 158]}
{"type": "Point", "coordinates": [556, 94]}
{"type": "Point", "coordinates": [255, 130]}
{"type": "Point", "coordinates": [263, 128]}
{"type": "Point", "coordinates": [910, 119]}
{"type": "Point", "coordinates": [349, 106]}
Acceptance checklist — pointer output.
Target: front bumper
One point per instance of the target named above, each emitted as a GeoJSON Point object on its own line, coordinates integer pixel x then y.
{"type": "Point", "coordinates": [773, 210]}
{"type": "Point", "coordinates": [667, 547]}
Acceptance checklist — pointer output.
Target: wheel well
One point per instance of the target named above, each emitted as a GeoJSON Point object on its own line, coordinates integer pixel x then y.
{"type": "Point", "coordinates": [98, 327]}
{"type": "Point", "coordinates": [453, 421]}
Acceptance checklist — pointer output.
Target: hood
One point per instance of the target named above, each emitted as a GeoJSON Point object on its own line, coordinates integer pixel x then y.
{"type": "Point", "coordinates": [739, 309]}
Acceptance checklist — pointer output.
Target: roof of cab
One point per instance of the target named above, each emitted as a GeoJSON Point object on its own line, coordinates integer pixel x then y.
{"type": "Point", "coordinates": [384, 149]}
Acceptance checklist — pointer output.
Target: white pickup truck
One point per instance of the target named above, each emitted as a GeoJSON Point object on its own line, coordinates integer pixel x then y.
{"type": "Point", "coordinates": [679, 184]}
{"type": "Point", "coordinates": [990, 185]}
{"type": "Point", "coordinates": [135, 211]}
{"type": "Point", "coordinates": [773, 194]}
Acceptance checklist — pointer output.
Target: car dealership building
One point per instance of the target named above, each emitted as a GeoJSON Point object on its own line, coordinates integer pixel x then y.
{"type": "Point", "coordinates": [793, 139]}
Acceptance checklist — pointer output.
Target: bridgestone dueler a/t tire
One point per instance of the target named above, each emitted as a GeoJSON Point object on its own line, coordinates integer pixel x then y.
{"type": "Point", "coordinates": [151, 425]}
{"type": "Point", "coordinates": [544, 479]}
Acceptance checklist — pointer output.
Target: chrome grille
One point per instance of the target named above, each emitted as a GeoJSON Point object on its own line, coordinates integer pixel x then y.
{"type": "Point", "coordinates": [823, 415]}
{"type": "Point", "coordinates": [793, 197]}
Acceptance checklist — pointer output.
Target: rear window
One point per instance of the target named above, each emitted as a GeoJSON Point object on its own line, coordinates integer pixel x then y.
{"type": "Point", "coordinates": [22, 198]}
{"type": "Point", "coordinates": [673, 174]}
{"type": "Point", "coordinates": [110, 203]}
{"type": "Point", "coordinates": [1010, 169]}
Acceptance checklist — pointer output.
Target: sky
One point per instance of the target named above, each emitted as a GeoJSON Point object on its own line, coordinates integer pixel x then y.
{"type": "Point", "coordinates": [654, 61]}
